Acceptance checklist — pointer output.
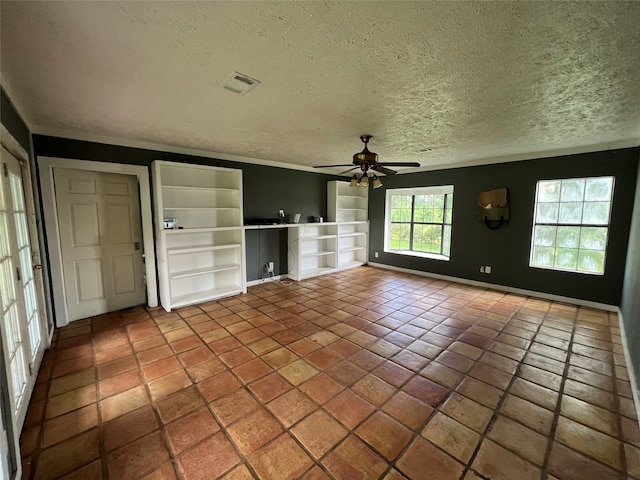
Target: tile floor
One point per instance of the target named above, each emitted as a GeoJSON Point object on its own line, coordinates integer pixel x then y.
{"type": "Point", "coordinates": [362, 374]}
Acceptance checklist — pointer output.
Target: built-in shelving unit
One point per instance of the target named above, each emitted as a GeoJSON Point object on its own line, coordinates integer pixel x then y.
{"type": "Point", "coordinates": [345, 203]}
{"type": "Point", "coordinates": [202, 257]}
{"type": "Point", "coordinates": [319, 248]}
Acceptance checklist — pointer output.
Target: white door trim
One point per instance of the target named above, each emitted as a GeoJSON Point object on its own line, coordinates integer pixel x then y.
{"type": "Point", "coordinates": [46, 166]}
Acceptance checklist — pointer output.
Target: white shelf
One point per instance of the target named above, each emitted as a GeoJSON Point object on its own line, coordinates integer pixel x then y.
{"type": "Point", "coordinates": [203, 260]}
{"type": "Point", "coordinates": [317, 237]}
{"type": "Point", "coordinates": [345, 203]}
{"type": "Point", "coordinates": [204, 271]}
{"type": "Point", "coordinates": [203, 248]}
{"type": "Point", "coordinates": [316, 271]}
{"type": "Point", "coordinates": [318, 253]}
{"type": "Point", "coordinates": [197, 297]}
{"type": "Point", "coordinates": [352, 234]}
{"type": "Point", "coordinates": [351, 249]}
{"type": "Point", "coordinates": [201, 189]}
{"type": "Point", "coordinates": [351, 263]}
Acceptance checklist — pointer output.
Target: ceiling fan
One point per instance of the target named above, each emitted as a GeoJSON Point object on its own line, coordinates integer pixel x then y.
{"type": "Point", "coordinates": [366, 160]}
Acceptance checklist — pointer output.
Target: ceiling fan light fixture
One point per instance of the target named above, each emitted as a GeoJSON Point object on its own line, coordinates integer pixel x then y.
{"type": "Point", "coordinates": [354, 181]}
{"type": "Point", "coordinates": [364, 181]}
{"type": "Point", "coordinates": [377, 183]}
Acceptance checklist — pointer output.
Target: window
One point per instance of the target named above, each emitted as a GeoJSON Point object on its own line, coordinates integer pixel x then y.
{"type": "Point", "coordinates": [418, 221]}
{"type": "Point", "coordinates": [571, 224]}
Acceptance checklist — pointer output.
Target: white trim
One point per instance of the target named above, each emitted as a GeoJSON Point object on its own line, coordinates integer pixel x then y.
{"type": "Point", "coordinates": [11, 144]}
{"type": "Point", "coordinates": [46, 166]}
{"type": "Point", "coordinates": [627, 359]}
{"type": "Point", "coordinates": [159, 147]}
{"type": "Point", "coordinates": [262, 281]}
{"type": "Point", "coordinates": [493, 286]}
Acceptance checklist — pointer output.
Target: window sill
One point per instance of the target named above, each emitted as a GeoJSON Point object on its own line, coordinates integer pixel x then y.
{"type": "Point", "coordinates": [410, 253]}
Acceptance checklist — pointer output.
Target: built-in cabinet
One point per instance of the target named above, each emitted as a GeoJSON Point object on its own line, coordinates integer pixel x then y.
{"type": "Point", "coordinates": [319, 248]}
{"type": "Point", "coordinates": [199, 232]}
{"type": "Point", "coordinates": [345, 203]}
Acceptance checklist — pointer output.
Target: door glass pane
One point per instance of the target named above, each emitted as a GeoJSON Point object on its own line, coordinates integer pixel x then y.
{"type": "Point", "coordinates": [572, 190]}
{"type": "Point", "coordinates": [598, 189]}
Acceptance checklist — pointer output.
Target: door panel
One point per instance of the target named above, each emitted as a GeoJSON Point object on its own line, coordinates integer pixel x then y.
{"type": "Point", "coordinates": [100, 235]}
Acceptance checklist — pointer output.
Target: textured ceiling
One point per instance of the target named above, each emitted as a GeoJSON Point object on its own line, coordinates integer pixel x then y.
{"type": "Point", "coordinates": [476, 82]}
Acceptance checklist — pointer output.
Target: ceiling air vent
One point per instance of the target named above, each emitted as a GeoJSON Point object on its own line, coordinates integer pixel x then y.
{"type": "Point", "coordinates": [239, 83]}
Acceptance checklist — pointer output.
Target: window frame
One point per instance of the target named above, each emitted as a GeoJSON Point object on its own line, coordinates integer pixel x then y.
{"type": "Point", "coordinates": [413, 192]}
{"type": "Point", "coordinates": [580, 225]}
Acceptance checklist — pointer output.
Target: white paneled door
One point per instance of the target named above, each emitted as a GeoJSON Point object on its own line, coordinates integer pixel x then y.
{"type": "Point", "coordinates": [22, 330]}
{"type": "Point", "coordinates": [100, 238]}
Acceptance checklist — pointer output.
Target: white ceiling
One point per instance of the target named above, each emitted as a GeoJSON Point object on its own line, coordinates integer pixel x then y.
{"type": "Point", "coordinates": [478, 82]}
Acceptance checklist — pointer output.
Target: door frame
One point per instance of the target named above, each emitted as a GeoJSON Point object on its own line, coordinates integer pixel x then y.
{"type": "Point", "coordinates": [50, 214]}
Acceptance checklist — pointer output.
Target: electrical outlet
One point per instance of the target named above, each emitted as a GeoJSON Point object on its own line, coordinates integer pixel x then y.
{"type": "Point", "coordinates": [482, 269]}
{"type": "Point", "coordinates": [487, 269]}
{"type": "Point", "coordinates": [268, 267]}
{"type": "Point", "coordinates": [375, 254]}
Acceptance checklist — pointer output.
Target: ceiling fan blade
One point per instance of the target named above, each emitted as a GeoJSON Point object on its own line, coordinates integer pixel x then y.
{"type": "Point", "coordinates": [328, 166]}
{"type": "Point", "coordinates": [353, 168]}
{"type": "Point", "coordinates": [400, 164]}
{"type": "Point", "coordinates": [381, 169]}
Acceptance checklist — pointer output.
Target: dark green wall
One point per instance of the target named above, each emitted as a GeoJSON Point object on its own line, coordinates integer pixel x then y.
{"type": "Point", "coordinates": [507, 249]}
{"type": "Point", "coordinates": [12, 121]}
{"type": "Point", "coordinates": [630, 306]}
{"type": "Point", "coordinates": [266, 190]}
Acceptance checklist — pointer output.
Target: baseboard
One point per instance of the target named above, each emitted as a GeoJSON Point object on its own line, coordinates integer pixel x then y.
{"type": "Point", "coordinates": [520, 291]}
{"type": "Point", "coordinates": [267, 280]}
{"type": "Point", "coordinates": [633, 381]}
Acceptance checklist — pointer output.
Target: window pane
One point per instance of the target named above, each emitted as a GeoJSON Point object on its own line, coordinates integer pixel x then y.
{"type": "Point", "coordinates": [399, 239]}
{"type": "Point", "coordinates": [549, 191]}
{"type": "Point", "coordinates": [598, 189]}
{"type": "Point", "coordinates": [567, 258]}
{"type": "Point", "coordinates": [593, 238]}
{"type": "Point", "coordinates": [438, 214]}
{"type": "Point", "coordinates": [446, 241]}
{"type": "Point", "coordinates": [438, 201]}
{"type": "Point", "coordinates": [427, 238]}
{"type": "Point", "coordinates": [449, 209]}
{"type": "Point", "coordinates": [542, 257]}
{"type": "Point", "coordinates": [591, 261]}
{"type": "Point", "coordinates": [572, 190]}
{"type": "Point", "coordinates": [544, 236]}
{"type": "Point", "coordinates": [570, 213]}
{"type": "Point", "coordinates": [596, 213]}
{"type": "Point", "coordinates": [568, 237]}
{"type": "Point", "coordinates": [547, 213]}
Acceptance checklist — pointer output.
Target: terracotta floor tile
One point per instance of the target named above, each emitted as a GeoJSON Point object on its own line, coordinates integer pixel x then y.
{"type": "Point", "coordinates": [420, 453]}
{"type": "Point", "coordinates": [590, 415]}
{"type": "Point", "coordinates": [190, 429]}
{"type": "Point", "coordinates": [319, 433]}
{"type": "Point", "coordinates": [303, 347]}
{"type": "Point", "coordinates": [443, 375]}
{"type": "Point", "coordinates": [71, 382]}
{"type": "Point", "coordinates": [160, 368]}
{"type": "Point", "coordinates": [323, 358]}
{"type": "Point", "coordinates": [270, 387]}
{"type": "Point", "coordinates": [129, 427]}
{"type": "Point", "coordinates": [122, 403]}
{"type": "Point", "coordinates": [453, 437]}
{"type": "Point", "coordinates": [589, 442]}
{"type": "Point", "coordinates": [541, 377]}
{"type": "Point", "coordinates": [209, 459]}
{"type": "Point", "coordinates": [236, 357]}
{"type": "Point", "coordinates": [232, 407]}
{"type": "Point", "coordinates": [523, 441]}
{"type": "Point", "coordinates": [241, 472]}
{"type": "Point", "coordinates": [69, 455]}
{"type": "Point", "coordinates": [92, 471]}
{"type": "Point", "coordinates": [263, 346]}
{"type": "Point", "coordinates": [350, 409]}
{"type": "Point", "coordinates": [567, 464]}
{"type": "Point", "coordinates": [343, 347]}
{"type": "Point", "coordinates": [500, 464]}
{"type": "Point", "coordinates": [393, 374]}
{"type": "Point", "coordinates": [373, 389]}
{"type": "Point", "coordinates": [426, 391]}
{"type": "Point", "coordinates": [219, 385]}
{"type": "Point", "coordinates": [153, 354]}
{"type": "Point", "coordinates": [204, 370]}
{"type": "Point", "coordinates": [197, 355]}
{"type": "Point", "coordinates": [321, 388]}
{"type": "Point", "coordinates": [65, 426]}
{"type": "Point", "coordinates": [168, 384]}
{"type": "Point", "coordinates": [291, 407]}
{"type": "Point", "coordinates": [69, 401]}
{"type": "Point", "coordinates": [528, 414]}
{"type": "Point", "coordinates": [426, 349]}
{"type": "Point", "coordinates": [254, 430]}
{"type": "Point", "coordinates": [467, 412]}
{"type": "Point", "coordinates": [280, 357]}
{"type": "Point", "coordinates": [408, 410]}
{"type": "Point", "coordinates": [384, 434]}
{"type": "Point", "coordinates": [73, 365]}
{"type": "Point", "coordinates": [252, 370]}
{"type": "Point", "coordinates": [354, 459]}
{"type": "Point", "coordinates": [480, 392]}
{"type": "Point", "coordinates": [298, 372]}
{"type": "Point", "coordinates": [282, 459]}
{"type": "Point", "coordinates": [178, 404]}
